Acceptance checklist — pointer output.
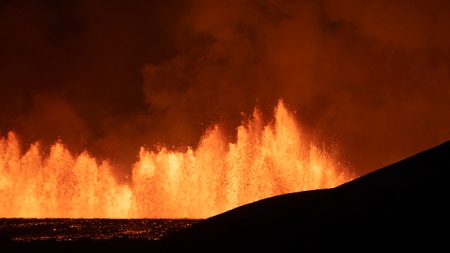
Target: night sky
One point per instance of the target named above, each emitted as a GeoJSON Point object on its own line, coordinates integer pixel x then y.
{"type": "Point", "coordinates": [369, 78]}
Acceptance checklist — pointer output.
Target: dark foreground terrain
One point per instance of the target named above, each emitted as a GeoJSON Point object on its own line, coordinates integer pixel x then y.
{"type": "Point", "coordinates": [399, 207]}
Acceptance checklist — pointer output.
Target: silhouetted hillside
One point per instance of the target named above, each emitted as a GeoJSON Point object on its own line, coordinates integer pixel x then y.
{"type": "Point", "coordinates": [401, 206]}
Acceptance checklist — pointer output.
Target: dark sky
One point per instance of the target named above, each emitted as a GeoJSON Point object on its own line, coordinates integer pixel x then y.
{"type": "Point", "coordinates": [370, 77]}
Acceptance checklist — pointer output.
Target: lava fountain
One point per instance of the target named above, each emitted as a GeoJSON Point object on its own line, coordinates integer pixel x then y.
{"type": "Point", "coordinates": [266, 160]}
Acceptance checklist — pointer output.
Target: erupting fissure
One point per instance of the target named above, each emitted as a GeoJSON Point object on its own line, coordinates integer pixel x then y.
{"type": "Point", "coordinates": [266, 160]}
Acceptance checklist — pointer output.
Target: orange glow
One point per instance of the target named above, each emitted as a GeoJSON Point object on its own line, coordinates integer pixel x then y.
{"type": "Point", "coordinates": [266, 160]}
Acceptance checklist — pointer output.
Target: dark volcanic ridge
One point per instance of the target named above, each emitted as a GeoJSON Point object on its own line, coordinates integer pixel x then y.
{"type": "Point", "coordinates": [400, 206]}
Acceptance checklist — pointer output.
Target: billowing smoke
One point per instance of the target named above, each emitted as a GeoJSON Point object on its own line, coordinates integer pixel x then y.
{"type": "Point", "coordinates": [368, 77]}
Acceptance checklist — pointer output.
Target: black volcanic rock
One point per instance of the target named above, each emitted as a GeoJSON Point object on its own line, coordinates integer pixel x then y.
{"type": "Point", "coordinates": [401, 206]}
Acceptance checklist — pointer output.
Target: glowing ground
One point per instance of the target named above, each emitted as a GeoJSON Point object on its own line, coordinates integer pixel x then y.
{"type": "Point", "coordinates": [95, 229]}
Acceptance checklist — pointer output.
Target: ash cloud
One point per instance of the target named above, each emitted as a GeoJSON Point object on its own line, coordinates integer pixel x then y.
{"type": "Point", "coordinates": [370, 76]}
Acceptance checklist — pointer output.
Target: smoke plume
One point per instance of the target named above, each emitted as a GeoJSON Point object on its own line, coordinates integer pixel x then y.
{"type": "Point", "coordinates": [370, 78]}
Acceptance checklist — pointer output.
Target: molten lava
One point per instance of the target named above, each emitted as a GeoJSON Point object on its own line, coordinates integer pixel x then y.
{"type": "Point", "coordinates": [265, 160]}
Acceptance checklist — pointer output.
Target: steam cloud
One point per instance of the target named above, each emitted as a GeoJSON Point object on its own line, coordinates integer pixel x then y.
{"type": "Point", "coordinates": [371, 77]}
